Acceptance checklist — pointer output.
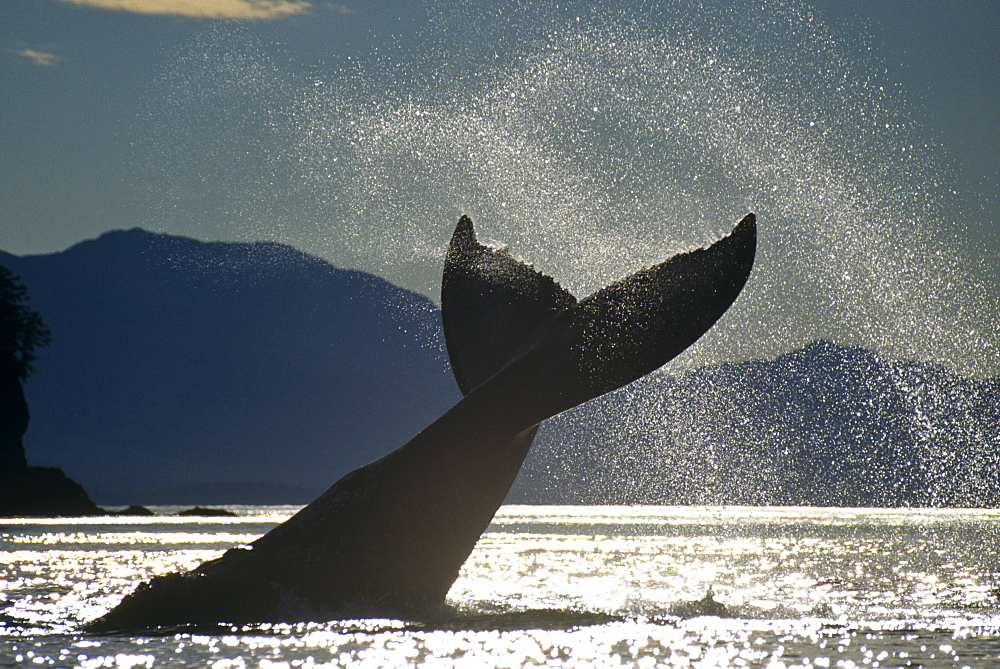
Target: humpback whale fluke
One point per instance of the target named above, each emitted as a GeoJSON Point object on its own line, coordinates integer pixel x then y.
{"type": "Point", "coordinates": [390, 537]}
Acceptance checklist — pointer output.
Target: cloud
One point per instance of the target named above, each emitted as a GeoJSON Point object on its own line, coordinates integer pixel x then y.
{"type": "Point", "coordinates": [43, 58]}
{"type": "Point", "coordinates": [247, 10]}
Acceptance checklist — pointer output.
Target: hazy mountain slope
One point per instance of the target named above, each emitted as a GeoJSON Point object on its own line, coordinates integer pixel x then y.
{"type": "Point", "coordinates": [178, 362]}
{"type": "Point", "coordinates": [825, 425]}
{"type": "Point", "coordinates": [192, 372]}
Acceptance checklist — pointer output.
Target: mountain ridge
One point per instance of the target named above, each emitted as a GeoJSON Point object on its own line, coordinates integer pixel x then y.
{"type": "Point", "coordinates": [194, 372]}
{"type": "Point", "coordinates": [176, 361]}
{"type": "Point", "coordinates": [824, 425]}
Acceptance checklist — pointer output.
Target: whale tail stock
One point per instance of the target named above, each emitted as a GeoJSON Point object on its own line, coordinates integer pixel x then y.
{"type": "Point", "coordinates": [392, 536]}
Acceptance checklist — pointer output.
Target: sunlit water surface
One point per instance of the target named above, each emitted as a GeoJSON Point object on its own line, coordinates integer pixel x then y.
{"type": "Point", "coordinates": [573, 586]}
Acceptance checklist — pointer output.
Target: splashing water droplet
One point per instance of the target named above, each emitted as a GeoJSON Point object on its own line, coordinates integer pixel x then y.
{"type": "Point", "coordinates": [593, 143]}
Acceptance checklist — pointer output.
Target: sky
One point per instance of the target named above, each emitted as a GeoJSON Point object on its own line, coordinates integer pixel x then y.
{"type": "Point", "coordinates": [592, 140]}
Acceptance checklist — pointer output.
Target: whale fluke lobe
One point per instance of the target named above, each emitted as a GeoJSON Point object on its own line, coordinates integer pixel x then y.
{"type": "Point", "coordinates": [491, 305]}
{"type": "Point", "coordinates": [641, 322]}
{"type": "Point", "coordinates": [391, 537]}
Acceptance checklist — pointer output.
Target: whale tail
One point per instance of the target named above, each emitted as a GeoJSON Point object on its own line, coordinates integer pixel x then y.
{"type": "Point", "coordinates": [500, 313]}
{"type": "Point", "coordinates": [392, 536]}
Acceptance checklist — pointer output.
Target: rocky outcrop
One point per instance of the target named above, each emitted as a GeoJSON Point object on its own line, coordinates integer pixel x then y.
{"type": "Point", "coordinates": [206, 512]}
{"type": "Point", "coordinates": [43, 491]}
{"type": "Point", "coordinates": [13, 423]}
{"type": "Point", "coordinates": [133, 510]}
{"type": "Point", "coordinates": [31, 491]}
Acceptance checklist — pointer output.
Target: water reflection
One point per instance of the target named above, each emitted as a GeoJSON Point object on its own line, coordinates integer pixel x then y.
{"type": "Point", "coordinates": [581, 586]}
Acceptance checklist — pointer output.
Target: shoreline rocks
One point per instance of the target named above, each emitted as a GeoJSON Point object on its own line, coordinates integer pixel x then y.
{"type": "Point", "coordinates": [43, 492]}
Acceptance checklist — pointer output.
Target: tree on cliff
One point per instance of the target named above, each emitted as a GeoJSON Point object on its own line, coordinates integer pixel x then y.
{"type": "Point", "coordinates": [22, 332]}
{"type": "Point", "coordinates": [24, 490]}
{"type": "Point", "coordinates": [22, 329]}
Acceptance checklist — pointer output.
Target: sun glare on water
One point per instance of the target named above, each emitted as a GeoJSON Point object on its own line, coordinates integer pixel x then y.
{"type": "Point", "coordinates": [574, 586]}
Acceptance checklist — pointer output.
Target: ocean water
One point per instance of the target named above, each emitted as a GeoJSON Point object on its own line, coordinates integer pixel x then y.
{"type": "Point", "coordinates": [557, 586]}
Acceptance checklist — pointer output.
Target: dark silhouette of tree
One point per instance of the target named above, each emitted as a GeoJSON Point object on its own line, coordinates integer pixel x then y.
{"type": "Point", "coordinates": [24, 490]}
{"type": "Point", "coordinates": [22, 329]}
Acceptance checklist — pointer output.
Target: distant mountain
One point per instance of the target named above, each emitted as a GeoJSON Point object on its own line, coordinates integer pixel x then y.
{"type": "Point", "coordinates": [180, 367]}
{"type": "Point", "coordinates": [188, 372]}
{"type": "Point", "coordinates": [826, 426]}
